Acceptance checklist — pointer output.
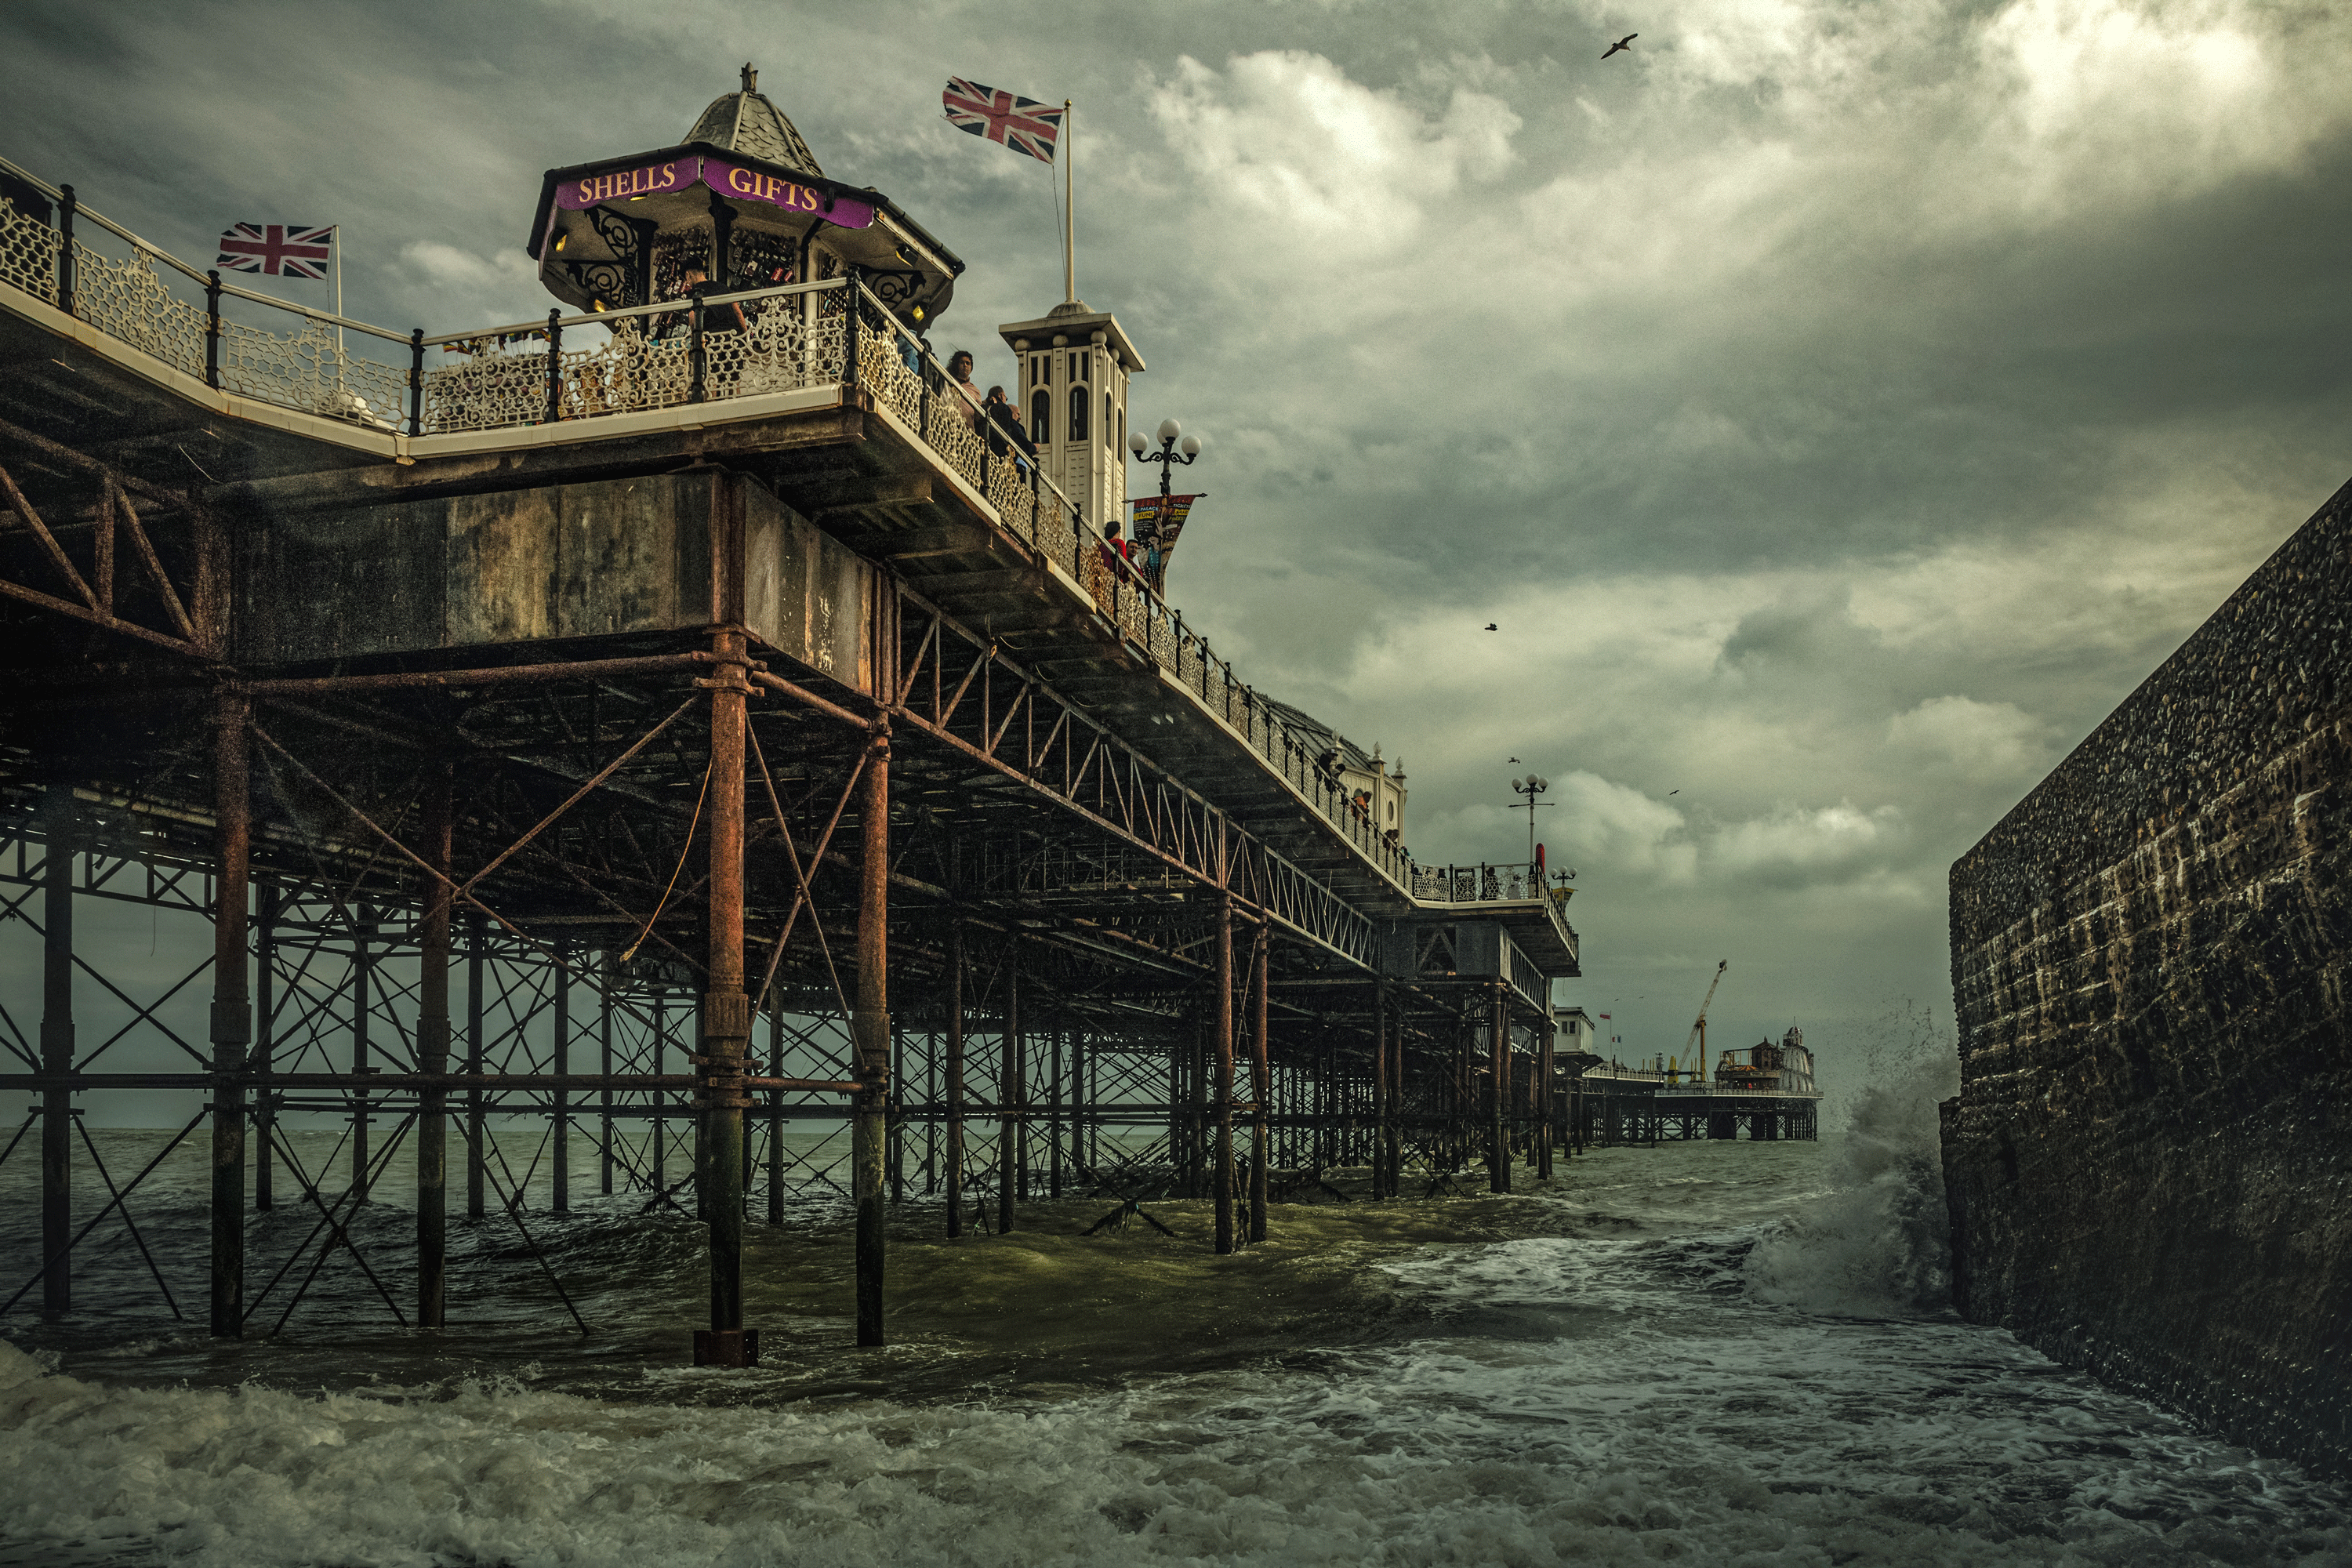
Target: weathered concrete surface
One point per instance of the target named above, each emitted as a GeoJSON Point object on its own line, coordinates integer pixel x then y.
{"type": "Point", "coordinates": [605, 558]}
{"type": "Point", "coordinates": [2150, 1160]}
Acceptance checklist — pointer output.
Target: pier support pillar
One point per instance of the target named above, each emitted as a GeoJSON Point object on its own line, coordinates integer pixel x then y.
{"type": "Point", "coordinates": [559, 1152]}
{"type": "Point", "coordinates": [1261, 1079]}
{"type": "Point", "coordinates": [232, 1012]}
{"type": "Point", "coordinates": [268, 901]}
{"type": "Point", "coordinates": [56, 1051]}
{"type": "Point", "coordinates": [476, 1151]}
{"type": "Point", "coordinates": [1009, 1095]}
{"type": "Point", "coordinates": [1498, 1082]}
{"type": "Point", "coordinates": [1545, 1100]}
{"type": "Point", "coordinates": [955, 1078]}
{"type": "Point", "coordinates": [870, 1037]}
{"type": "Point", "coordinates": [433, 1058]}
{"type": "Point", "coordinates": [1224, 1070]}
{"type": "Point", "coordinates": [726, 1018]}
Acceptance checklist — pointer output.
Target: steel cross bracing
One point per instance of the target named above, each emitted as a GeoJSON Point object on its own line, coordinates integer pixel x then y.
{"type": "Point", "coordinates": [958, 688]}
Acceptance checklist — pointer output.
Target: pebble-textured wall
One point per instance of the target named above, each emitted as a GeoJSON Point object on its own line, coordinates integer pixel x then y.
{"type": "Point", "coordinates": [2150, 1160]}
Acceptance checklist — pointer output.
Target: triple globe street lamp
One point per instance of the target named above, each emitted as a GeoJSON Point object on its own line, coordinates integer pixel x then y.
{"type": "Point", "coordinates": [1167, 456]}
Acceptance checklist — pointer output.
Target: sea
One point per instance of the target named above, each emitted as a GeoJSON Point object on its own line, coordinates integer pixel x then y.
{"type": "Point", "coordinates": [1735, 1353]}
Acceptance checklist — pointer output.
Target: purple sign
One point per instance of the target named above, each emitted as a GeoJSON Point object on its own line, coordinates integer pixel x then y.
{"type": "Point", "coordinates": [750, 185]}
{"type": "Point", "coordinates": [652, 180]}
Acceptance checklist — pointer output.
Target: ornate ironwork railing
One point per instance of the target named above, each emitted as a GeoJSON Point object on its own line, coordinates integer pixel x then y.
{"type": "Point", "coordinates": [1482, 883]}
{"type": "Point", "coordinates": [711, 347]}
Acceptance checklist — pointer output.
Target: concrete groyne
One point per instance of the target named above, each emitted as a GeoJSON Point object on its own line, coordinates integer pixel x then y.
{"type": "Point", "coordinates": [2149, 1164]}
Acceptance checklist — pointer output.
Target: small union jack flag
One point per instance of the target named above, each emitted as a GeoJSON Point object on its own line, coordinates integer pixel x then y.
{"type": "Point", "coordinates": [1022, 124]}
{"type": "Point", "coordinates": [279, 249]}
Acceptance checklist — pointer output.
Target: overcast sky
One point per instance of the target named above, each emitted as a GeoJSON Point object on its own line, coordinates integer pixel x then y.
{"type": "Point", "coordinates": [1838, 406]}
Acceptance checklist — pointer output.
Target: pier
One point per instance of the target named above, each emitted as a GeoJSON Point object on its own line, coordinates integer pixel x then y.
{"type": "Point", "coordinates": [1765, 1093]}
{"type": "Point", "coordinates": [674, 720]}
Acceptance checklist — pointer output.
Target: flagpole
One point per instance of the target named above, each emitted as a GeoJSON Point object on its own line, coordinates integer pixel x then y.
{"type": "Point", "coordinates": [335, 243]}
{"type": "Point", "coordinates": [1069, 210]}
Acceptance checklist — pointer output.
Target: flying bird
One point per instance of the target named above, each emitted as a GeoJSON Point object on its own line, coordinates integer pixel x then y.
{"type": "Point", "coordinates": [1674, 792]}
{"type": "Point", "coordinates": [1491, 627]}
{"type": "Point", "coordinates": [1512, 759]}
{"type": "Point", "coordinates": [1625, 43]}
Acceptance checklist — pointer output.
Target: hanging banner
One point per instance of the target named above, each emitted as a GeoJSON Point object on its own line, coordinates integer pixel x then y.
{"type": "Point", "coordinates": [1155, 534]}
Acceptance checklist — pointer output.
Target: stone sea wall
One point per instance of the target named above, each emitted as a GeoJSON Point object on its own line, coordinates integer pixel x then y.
{"type": "Point", "coordinates": [2149, 1163]}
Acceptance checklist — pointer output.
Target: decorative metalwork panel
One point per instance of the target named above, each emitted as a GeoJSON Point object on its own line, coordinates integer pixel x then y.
{"type": "Point", "coordinates": [125, 299]}
{"type": "Point", "coordinates": [309, 371]}
{"type": "Point", "coordinates": [489, 391]}
{"type": "Point", "coordinates": [28, 254]}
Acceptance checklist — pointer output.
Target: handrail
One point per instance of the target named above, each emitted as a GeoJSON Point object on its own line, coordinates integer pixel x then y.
{"type": "Point", "coordinates": [663, 307]}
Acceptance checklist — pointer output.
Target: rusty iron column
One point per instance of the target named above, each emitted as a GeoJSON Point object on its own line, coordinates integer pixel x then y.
{"type": "Point", "coordinates": [268, 903]}
{"type": "Point", "coordinates": [1008, 1093]}
{"type": "Point", "coordinates": [433, 1059]}
{"type": "Point", "coordinates": [477, 1147]}
{"type": "Point", "coordinates": [560, 1133]}
{"type": "Point", "coordinates": [871, 1037]}
{"type": "Point", "coordinates": [775, 1114]}
{"type": "Point", "coordinates": [1545, 1101]}
{"type": "Point", "coordinates": [232, 1014]}
{"type": "Point", "coordinates": [955, 1078]}
{"type": "Point", "coordinates": [56, 1051]}
{"type": "Point", "coordinates": [1261, 1079]}
{"type": "Point", "coordinates": [1053, 1114]}
{"type": "Point", "coordinates": [1498, 1144]}
{"type": "Point", "coordinates": [726, 1018]}
{"type": "Point", "coordinates": [1383, 1093]}
{"type": "Point", "coordinates": [1224, 1084]}
{"type": "Point", "coordinates": [362, 971]}
{"type": "Point", "coordinates": [608, 976]}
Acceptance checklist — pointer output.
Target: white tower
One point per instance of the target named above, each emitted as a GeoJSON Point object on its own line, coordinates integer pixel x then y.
{"type": "Point", "coordinates": [1075, 365]}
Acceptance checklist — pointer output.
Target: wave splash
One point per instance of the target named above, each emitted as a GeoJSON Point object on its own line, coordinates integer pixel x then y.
{"type": "Point", "coordinates": [1878, 1244]}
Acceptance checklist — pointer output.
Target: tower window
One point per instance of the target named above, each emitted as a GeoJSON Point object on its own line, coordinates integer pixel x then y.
{"type": "Point", "coordinates": [1040, 417]}
{"type": "Point", "coordinates": [1078, 402]}
{"type": "Point", "coordinates": [1077, 373]}
{"type": "Point", "coordinates": [1106, 417]}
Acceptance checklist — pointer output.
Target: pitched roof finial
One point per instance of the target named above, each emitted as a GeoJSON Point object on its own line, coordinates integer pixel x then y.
{"type": "Point", "coordinates": [750, 77]}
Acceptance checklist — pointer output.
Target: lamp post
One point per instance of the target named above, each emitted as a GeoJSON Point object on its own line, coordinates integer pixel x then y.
{"type": "Point", "coordinates": [1168, 455]}
{"type": "Point", "coordinates": [1530, 786]}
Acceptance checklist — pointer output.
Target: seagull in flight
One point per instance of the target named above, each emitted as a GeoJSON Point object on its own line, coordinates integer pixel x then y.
{"type": "Point", "coordinates": [1674, 792]}
{"type": "Point", "coordinates": [1514, 759]}
{"type": "Point", "coordinates": [1625, 43]}
{"type": "Point", "coordinates": [1492, 626]}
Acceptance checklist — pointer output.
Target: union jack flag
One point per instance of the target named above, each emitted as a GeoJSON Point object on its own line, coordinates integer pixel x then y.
{"type": "Point", "coordinates": [1020, 124]}
{"type": "Point", "coordinates": [279, 249]}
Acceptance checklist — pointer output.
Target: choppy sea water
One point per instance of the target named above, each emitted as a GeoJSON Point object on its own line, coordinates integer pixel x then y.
{"type": "Point", "coordinates": [1714, 1354]}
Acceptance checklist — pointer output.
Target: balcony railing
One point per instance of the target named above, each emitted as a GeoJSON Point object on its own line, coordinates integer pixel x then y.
{"type": "Point", "coordinates": [1484, 883]}
{"type": "Point", "coordinates": [798, 336]}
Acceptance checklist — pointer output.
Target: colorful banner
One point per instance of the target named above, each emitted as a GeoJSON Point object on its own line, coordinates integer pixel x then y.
{"type": "Point", "coordinates": [728, 179]}
{"type": "Point", "coordinates": [1155, 535]}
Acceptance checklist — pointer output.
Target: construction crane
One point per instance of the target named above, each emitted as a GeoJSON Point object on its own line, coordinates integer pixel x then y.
{"type": "Point", "coordinates": [1698, 1030]}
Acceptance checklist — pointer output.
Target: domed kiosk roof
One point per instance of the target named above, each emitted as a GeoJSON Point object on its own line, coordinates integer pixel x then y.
{"type": "Point", "coordinates": [599, 225]}
{"type": "Point", "coordinates": [746, 121]}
